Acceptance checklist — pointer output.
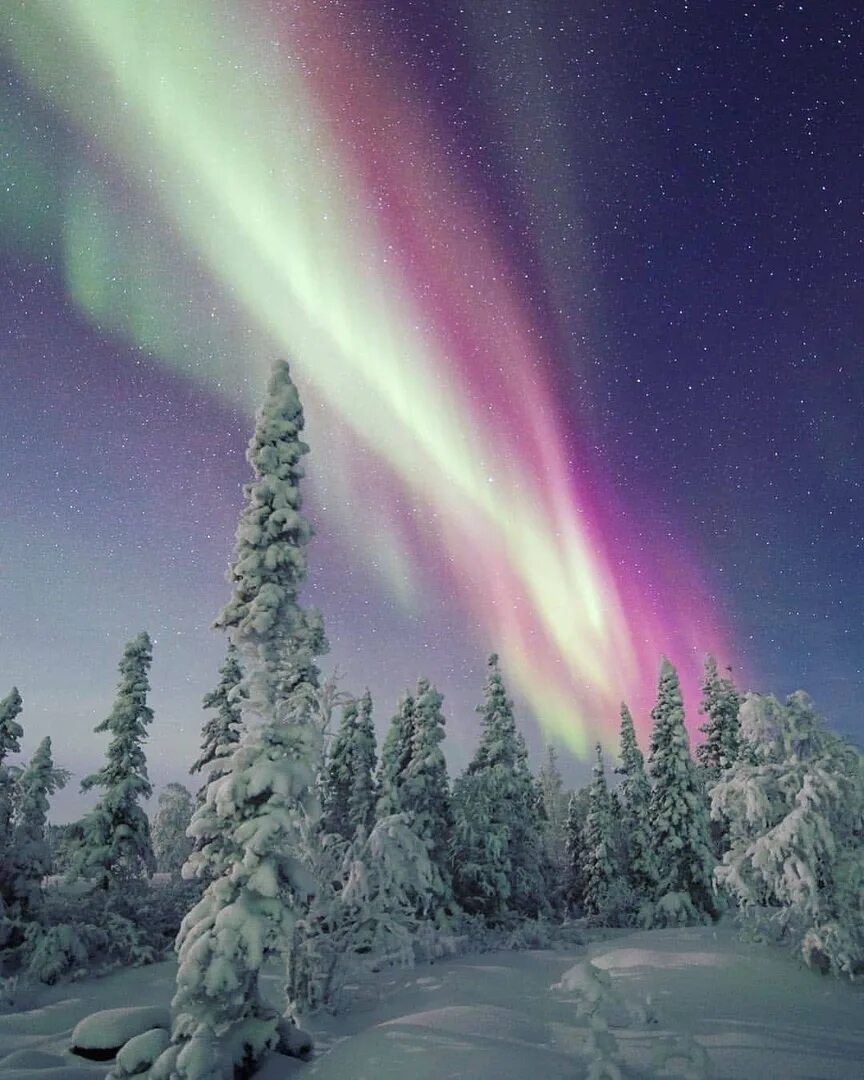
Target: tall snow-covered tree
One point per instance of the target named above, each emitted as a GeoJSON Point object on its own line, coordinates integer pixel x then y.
{"type": "Point", "coordinates": [794, 811]}
{"type": "Point", "coordinates": [277, 641]}
{"type": "Point", "coordinates": [679, 813]}
{"type": "Point", "coordinates": [171, 845]}
{"type": "Point", "coordinates": [498, 849]}
{"type": "Point", "coordinates": [10, 736]}
{"type": "Point", "coordinates": [602, 872]}
{"type": "Point", "coordinates": [479, 848]}
{"type": "Point", "coordinates": [361, 801]}
{"type": "Point", "coordinates": [221, 732]}
{"type": "Point", "coordinates": [31, 854]}
{"type": "Point", "coordinates": [114, 843]}
{"type": "Point", "coordinates": [720, 704]}
{"type": "Point", "coordinates": [425, 792]}
{"type": "Point", "coordinates": [577, 815]}
{"type": "Point", "coordinates": [249, 827]}
{"type": "Point", "coordinates": [395, 758]}
{"type": "Point", "coordinates": [554, 812]}
{"type": "Point", "coordinates": [337, 781]}
{"type": "Point", "coordinates": [635, 798]}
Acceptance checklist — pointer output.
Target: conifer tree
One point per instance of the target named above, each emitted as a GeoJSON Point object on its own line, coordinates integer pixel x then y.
{"type": "Point", "coordinates": [31, 854]}
{"type": "Point", "coordinates": [171, 845]}
{"type": "Point", "coordinates": [395, 758]}
{"type": "Point", "coordinates": [245, 828]}
{"type": "Point", "coordinates": [361, 801]}
{"type": "Point", "coordinates": [221, 732]}
{"type": "Point", "coordinates": [114, 844]}
{"type": "Point", "coordinates": [10, 730]}
{"type": "Point", "coordinates": [577, 815]}
{"type": "Point", "coordinates": [10, 736]}
{"type": "Point", "coordinates": [249, 827]}
{"type": "Point", "coordinates": [337, 781]}
{"type": "Point", "coordinates": [498, 853]}
{"type": "Point", "coordinates": [425, 792]}
{"type": "Point", "coordinates": [601, 872]}
{"type": "Point", "coordinates": [635, 810]}
{"type": "Point", "coordinates": [554, 813]}
{"type": "Point", "coordinates": [277, 640]}
{"type": "Point", "coordinates": [529, 867]}
{"type": "Point", "coordinates": [794, 812]}
{"type": "Point", "coordinates": [720, 703]}
{"type": "Point", "coordinates": [679, 814]}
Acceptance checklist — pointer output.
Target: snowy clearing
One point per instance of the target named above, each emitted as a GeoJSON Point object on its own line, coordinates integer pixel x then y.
{"type": "Point", "coordinates": [756, 1010]}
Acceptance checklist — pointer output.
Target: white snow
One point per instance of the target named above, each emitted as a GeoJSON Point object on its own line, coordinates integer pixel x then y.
{"type": "Point", "coordinates": [140, 1052]}
{"type": "Point", "coordinates": [756, 1011]}
{"type": "Point", "coordinates": [113, 1027]}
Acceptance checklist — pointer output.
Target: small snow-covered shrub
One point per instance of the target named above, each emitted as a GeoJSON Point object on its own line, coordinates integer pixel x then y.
{"type": "Point", "coordinates": [9, 987]}
{"type": "Point", "coordinates": [100, 930]}
{"type": "Point", "coordinates": [530, 934]}
{"type": "Point", "coordinates": [125, 942]}
{"type": "Point", "coordinates": [672, 909]}
{"type": "Point", "coordinates": [54, 952]}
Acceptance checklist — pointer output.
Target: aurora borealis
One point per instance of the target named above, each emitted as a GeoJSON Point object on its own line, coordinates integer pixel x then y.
{"type": "Point", "coordinates": [401, 198]}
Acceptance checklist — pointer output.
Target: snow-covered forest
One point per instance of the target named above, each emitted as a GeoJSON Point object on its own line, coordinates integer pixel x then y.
{"type": "Point", "coordinates": [303, 860]}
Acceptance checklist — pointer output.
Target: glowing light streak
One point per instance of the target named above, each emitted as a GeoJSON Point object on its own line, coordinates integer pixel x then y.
{"type": "Point", "coordinates": [404, 322]}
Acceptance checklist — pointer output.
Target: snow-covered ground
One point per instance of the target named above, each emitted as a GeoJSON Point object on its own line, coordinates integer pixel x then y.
{"type": "Point", "coordinates": [756, 1011]}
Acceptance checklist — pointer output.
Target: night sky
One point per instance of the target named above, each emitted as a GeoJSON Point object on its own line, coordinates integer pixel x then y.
{"type": "Point", "coordinates": [572, 295]}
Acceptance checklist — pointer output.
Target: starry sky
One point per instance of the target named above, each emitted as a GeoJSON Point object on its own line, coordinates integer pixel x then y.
{"type": "Point", "coordinates": [572, 295]}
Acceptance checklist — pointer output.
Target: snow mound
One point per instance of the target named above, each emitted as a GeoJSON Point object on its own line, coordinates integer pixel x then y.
{"type": "Point", "coordinates": [43, 1020]}
{"type": "Point", "coordinates": [23, 1064]}
{"type": "Point", "coordinates": [489, 1021]}
{"type": "Point", "coordinates": [425, 1046]}
{"type": "Point", "coordinates": [100, 1035]}
{"type": "Point", "coordinates": [140, 1052]}
{"type": "Point", "coordinates": [619, 959]}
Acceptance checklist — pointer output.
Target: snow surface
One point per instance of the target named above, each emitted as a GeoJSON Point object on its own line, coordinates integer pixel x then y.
{"type": "Point", "coordinates": [756, 1011]}
{"type": "Point", "coordinates": [114, 1027]}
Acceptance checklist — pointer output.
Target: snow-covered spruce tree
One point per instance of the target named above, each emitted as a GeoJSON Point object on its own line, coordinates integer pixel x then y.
{"type": "Point", "coordinates": [171, 845]}
{"type": "Point", "coordinates": [337, 780]}
{"type": "Point", "coordinates": [603, 898]}
{"type": "Point", "coordinates": [361, 801]}
{"type": "Point", "coordinates": [257, 889]}
{"type": "Point", "coordinates": [498, 832]}
{"type": "Point", "coordinates": [554, 814]}
{"type": "Point", "coordinates": [395, 757]}
{"type": "Point", "coordinates": [679, 814]}
{"type": "Point", "coordinates": [10, 736]}
{"type": "Point", "coordinates": [529, 878]}
{"type": "Point", "coordinates": [574, 880]}
{"type": "Point", "coordinates": [221, 733]}
{"type": "Point", "coordinates": [479, 849]}
{"type": "Point", "coordinates": [277, 640]}
{"type": "Point", "coordinates": [389, 884]}
{"type": "Point", "coordinates": [794, 811]}
{"type": "Point", "coordinates": [425, 793]}
{"type": "Point", "coordinates": [635, 796]}
{"type": "Point", "coordinates": [31, 854]}
{"type": "Point", "coordinates": [114, 845]}
{"type": "Point", "coordinates": [720, 704]}
{"type": "Point", "coordinates": [248, 829]}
